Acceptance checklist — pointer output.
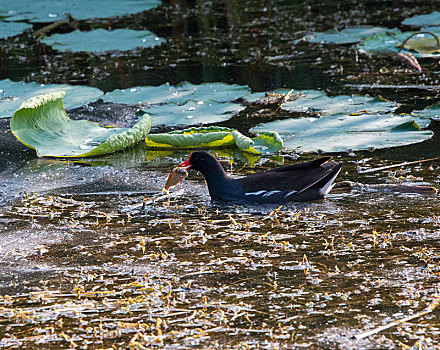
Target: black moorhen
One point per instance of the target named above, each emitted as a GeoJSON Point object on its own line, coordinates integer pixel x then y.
{"type": "Point", "coordinates": [298, 182]}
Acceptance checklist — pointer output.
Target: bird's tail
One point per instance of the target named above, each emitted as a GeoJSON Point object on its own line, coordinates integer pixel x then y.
{"type": "Point", "coordinates": [325, 185]}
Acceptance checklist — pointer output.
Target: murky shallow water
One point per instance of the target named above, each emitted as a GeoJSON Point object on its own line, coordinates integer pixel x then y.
{"type": "Point", "coordinates": [92, 255]}
{"type": "Point", "coordinates": [90, 265]}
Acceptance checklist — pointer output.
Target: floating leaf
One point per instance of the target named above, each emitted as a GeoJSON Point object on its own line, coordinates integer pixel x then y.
{"type": "Point", "coordinates": [142, 95]}
{"type": "Point", "coordinates": [41, 123]}
{"type": "Point", "coordinates": [313, 101]}
{"type": "Point", "coordinates": [179, 94]}
{"type": "Point", "coordinates": [218, 92]}
{"type": "Point", "coordinates": [345, 36]}
{"type": "Point", "coordinates": [430, 19]}
{"type": "Point", "coordinates": [385, 43]}
{"type": "Point", "coordinates": [432, 112]}
{"type": "Point", "coordinates": [267, 142]}
{"type": "Point", "coordinates": [422, 43]}
{"type": "Point", "coordinates": [339, 133]}
{"type": "Point", "coordinates": [215, 137]}
{"type": "Point", "coordinates": [192, 138]}
{"type": "Point", "coordinates": [12, 94]}
{"type": "Point", "coordinates": [347, 122]}
{"type": "Point", "coordinates": [8, 29]}
{"type": "Point", "coordinates": [101, 40]}
{"type": "Point", "coordinates": [193, 113]}
{"type": "Point", "coordinates": [407, 126]}
{"type": "Point", "coordinates": [184, 104]}
{"type": "Point", "coordinates": [54, 10]}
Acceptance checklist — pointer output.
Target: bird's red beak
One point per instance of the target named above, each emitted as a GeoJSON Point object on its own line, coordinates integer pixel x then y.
{"type": "Point", "coordinates": [185, 164]}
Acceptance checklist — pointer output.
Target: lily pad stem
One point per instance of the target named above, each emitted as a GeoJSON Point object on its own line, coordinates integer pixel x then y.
{"type": "Point", "coordinates": [41, 33]}
{"type": "Point", "coordinates": [417, 33]}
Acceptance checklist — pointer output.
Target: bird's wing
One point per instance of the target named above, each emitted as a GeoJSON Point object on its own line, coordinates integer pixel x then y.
{"type": "Point", "coordinates": [290, 179]}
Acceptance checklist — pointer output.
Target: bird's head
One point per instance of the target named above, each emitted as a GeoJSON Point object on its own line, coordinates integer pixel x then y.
{"type": "Point", "coordinates": [201, 161]}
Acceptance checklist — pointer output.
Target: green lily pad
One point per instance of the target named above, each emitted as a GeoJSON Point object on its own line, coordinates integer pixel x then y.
{"type": "Point", "coordinates": [142, 95]}
{"type": "Point", "coordinates": [215, 137]}
{"type": "Point", "coordinates": [430, 112]}
{"type": "Point", "coordinates": [340, 133]}
{"type": "Point", "coordinates": [184, 104]}
{"type": "Point", "coordinates": [101, 40]}
{"type": "Point", "coordinates": [407, 126]}
{"type": "Point", "coordinates": [430, 19]}
{"type": "Point", "coordinates": [422, 45]}
{"type": "Point", "coordinates": [180, 94]}
{"type": "Point", "coordinates": [13, 94]}
{"type": "Point", "coordinates": [54, 10]}
{"type": "Point", "coordinates": [313, 101]}
{"type": "Point", "coordinates": [345, 36]}
{"type": "Point", "coordinates": [193, 113]}
{"type": "Point", "coordinates": [41, 123]}
{"type": "Point", "coordinates": [8, 29]}
{"type": "Point", "coordinates": [218, 92]}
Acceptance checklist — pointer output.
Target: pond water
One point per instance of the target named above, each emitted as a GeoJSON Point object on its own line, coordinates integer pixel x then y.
{"type": "Point", "coordinates": [94, 255]}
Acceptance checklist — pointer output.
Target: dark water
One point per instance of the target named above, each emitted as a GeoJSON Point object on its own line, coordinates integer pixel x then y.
{"type": "Point", "coordinates": [92, 254]}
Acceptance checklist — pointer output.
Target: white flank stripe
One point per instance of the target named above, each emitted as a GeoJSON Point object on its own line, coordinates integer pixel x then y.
{"type": "Point", "coordinates": [270, 193]}
{"type": "Point", "coordinates": [255, 193]}
{"type": "Point", "coordinates": [289, 193]}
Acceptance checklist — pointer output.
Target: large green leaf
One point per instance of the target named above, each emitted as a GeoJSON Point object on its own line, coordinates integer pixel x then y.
{"type": "Point", "coordinates": [340, 133]}
{"type": "Point", "coordinates": [54, 10]}
{"type": "Point", "coordinates": [101, 40]}
{"type": "Point", "coordinates": [422, 45]}
{"type": "Point", "coordinates": [431, 19]}
{"type": "Point", "coordinates": [8, 29]}
{"type": "Point", "coordinates": [345, 36]}
{"type": "Point", "coordinates": [215, 137]}
{"type": "Point", "coordinates": [12, 94]}
{"type": "Point", "coordinates": [313, 101]}
{"type": "Point", "coordinates": [41, 123]}
{"type": "Point", "coordinates": [180, 94]}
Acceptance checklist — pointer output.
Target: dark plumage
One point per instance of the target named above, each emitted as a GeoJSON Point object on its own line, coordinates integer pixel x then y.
{"type": "Point", "coordinates": [298, 182]}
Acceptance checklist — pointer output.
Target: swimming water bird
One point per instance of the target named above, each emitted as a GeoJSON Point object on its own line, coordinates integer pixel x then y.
{"type": "Point", "coordinates": [298, 182]}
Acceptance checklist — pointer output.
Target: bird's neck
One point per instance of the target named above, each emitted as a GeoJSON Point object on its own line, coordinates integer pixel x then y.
{"type": "Point", "coordinates": [214, 173]}
{"type": "Point", "coordinates": [216, 179]}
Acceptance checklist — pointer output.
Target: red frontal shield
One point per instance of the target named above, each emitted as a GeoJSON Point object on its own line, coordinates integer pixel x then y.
{"type": "Point", "coordinates": [185, 164]}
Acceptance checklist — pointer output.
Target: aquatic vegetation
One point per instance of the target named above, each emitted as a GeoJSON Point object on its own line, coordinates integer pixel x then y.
{"type": "Point", "coordinates": [430, 19]}
{"type": "Point", "coordinates": [179, 94]}
{"type": "Point", "coordinates": [8, 29]}
{"type": "Point", "coordinates": [344, 123]}
{"type": "Point", "coordinates": [216, 137]}
{"type": "Point", "coordinates": [423, 44]}
{"type": "Point", "coordinates": [277, 274]}
{"type": "Point", "coordinates": [344, 36]}
{"type": "Point", "coordinates": [13, 94]}
{"type": "Point", "coordinates": [49, 11]}
{"type": "Point", "coordinates": [94, 255]}
{"type": "Point", "coordinates": [101, 40]}
{"type": "Point", "coordinates": [42, 124]}
{"type": "Point", "coordinates": [184, 104]}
